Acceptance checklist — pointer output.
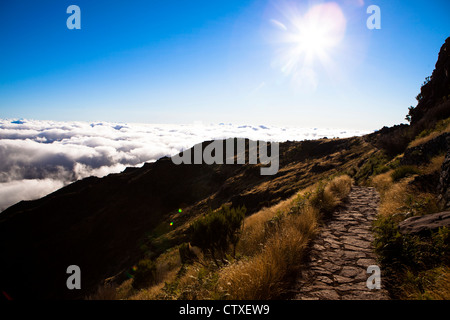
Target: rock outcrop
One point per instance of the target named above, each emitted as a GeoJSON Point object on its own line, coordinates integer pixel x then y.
{"type": "Point", "coordinates": [425, 224]}
{"type": "Point", "coordinates": [437, 90]}
{"type": "Point", "coordinates": [421, 154]}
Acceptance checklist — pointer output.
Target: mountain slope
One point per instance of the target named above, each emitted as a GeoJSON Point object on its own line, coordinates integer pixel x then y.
{"type": "Point", "coordinates": [99, 223]}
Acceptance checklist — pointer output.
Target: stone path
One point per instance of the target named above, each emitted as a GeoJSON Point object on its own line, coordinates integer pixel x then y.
{"type": "Point", "coordinates": [341, 253]}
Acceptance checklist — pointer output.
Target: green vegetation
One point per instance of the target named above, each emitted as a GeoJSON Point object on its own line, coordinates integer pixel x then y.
{"type": "Point", "coordinates": [409, 260]}
{"type": "Point", "coordinates": [414, 251]}
{"type": "Point", "coordinates": [430, 133]}
{"type": "Point", "coordinates": [441, 126]}
{"type": "Point", "coordinates": [403, 171]}
{"type": "Point", "coordinates": [145, 274]}
{"type": "Point", "coordinates": [376, 164]}
{"type": "Point", "coordinates": [215, 232]}
{"type": "Point", "coordinates": [411, 263]}
{"type": "Point", "coordinates": [269, 248]}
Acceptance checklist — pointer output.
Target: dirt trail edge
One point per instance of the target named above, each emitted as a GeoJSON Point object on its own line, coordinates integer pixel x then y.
{"type": "Point", "coordinates": [342, 252]}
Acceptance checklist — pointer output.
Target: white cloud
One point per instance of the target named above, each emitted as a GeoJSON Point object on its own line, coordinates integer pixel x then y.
{"type": "Point", "coordinates": [38, 157]}
{"type": "Point", "coordinates": [27, 189]}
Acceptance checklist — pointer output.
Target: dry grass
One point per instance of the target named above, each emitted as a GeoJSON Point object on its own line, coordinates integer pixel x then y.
{"type": "Point", "coordinates": [254, 232]}
{"type": "Point", "coordinates": [442, 127]}
{"type": "Point", "coordinates": [382, 182]}
{"type": "Point", "coordinates": [393, 200]}
{"type": "Point", "coordinates": [436, 285]}
{"type": "Point", "coordinates": [394, 196]}
{"type": "Point", "coordinates": [153, 292]}
{"type": "Point", "coordinates": [167, 266]}
{"type": "Point", "coordinates": [418, 141]}
{"type": "Point", "coordinates": [340, 187]}
{"type": "Point", "coordinates": [434, 165]}
{"type": "Point", "coordinates": [326, 198]}
{"type": "Point", "coordinates": [440, 289]}
{"type": "Point", "coordinates": [262, 276]}
{"type": "Point", "coordinates": [271, 249]}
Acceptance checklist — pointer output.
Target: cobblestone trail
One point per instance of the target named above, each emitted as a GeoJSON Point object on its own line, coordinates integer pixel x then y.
{"type": "Point", "coordinates": [342, 252]}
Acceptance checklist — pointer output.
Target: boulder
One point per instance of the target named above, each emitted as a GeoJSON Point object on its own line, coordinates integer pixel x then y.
{"type": "Point", "coordinates": [425, 224]}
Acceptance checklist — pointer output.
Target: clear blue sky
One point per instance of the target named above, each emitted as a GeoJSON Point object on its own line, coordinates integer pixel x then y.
{"type": "Point", "coordinates": [178, 61]}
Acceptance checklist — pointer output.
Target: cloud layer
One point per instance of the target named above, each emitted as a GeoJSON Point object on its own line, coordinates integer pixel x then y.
{"type": "Point", "coordinates": [39, 157]}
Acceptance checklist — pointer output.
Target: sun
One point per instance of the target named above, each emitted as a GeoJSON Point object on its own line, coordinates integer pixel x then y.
{"type": "Point", "coordinates": [313, 40]}
{"type": "Point", "coordinates": [310, 38]}
{"type": "Point", "coordinates": [321, 28]}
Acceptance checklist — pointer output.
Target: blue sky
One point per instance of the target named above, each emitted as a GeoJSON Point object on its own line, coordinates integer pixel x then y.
{"type": "Point", "coordinates": [215, 61]}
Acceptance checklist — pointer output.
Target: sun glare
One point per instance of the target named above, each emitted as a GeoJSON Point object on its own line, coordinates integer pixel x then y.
{"type": "Point", "coordinates": [310, 37]}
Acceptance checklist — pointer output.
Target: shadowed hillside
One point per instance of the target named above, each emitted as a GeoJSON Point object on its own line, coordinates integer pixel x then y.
{"type": "Point", "coordinates": [99, 224]}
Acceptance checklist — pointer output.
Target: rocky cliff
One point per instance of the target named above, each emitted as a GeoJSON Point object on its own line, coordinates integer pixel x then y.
{"type": "Point", "coordinates": [434, 96]}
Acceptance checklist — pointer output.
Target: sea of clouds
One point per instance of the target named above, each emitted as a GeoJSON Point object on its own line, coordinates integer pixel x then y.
{"type": "Point", "coordinates": [39, 157]}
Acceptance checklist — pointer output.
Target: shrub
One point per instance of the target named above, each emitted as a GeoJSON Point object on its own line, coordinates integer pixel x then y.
{"type": "Point", "coordinates": [216, 231]}
{"type": "Point", "coordinates": [382, 182]}
{"type": "Point", "coordinates": [340, 186]}
{"type": "Point", "coordinates": [145, 274]}
{"type": "Point", "coordinates": [322, 199]}
{"type": "Point", "coordinates": [402, 172]}
{"type": "Point", "coordinates": [418, 252]}
{"type": "Point", "coordinates": [407, 258]}
{"type": "Point", "coordinates": [376, 164]}
{"type": "Point", "coordinates": [328, 196]}
{"type": "Point", "coordinates": [234, 218]}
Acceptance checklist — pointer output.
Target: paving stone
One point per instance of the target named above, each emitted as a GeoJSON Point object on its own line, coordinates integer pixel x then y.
{"type": "Point", "coordinates": [350, 254]}
{"type": "Point", "coordinates": [327, 294]}
{"type": "Point", "coordinates": [366, 262]}
{"type": "Point", "coordinates": [350, 272]}
{"type": "Point", "coordinates": [324, 279]}
{"type": "Point", "coordinates": [341, 279]}
{"type": "Point", "coordinates": [351, 248]}
{"type": "Point", "coordinates": [354, 241]}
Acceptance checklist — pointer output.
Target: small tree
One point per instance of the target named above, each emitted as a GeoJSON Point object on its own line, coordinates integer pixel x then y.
{"type": "Point", "coordinates": [217, 230]}
{"type": "Point", "coordinates": [234, 218]}
{"type": "Point", "coordinates": [409, 115]}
